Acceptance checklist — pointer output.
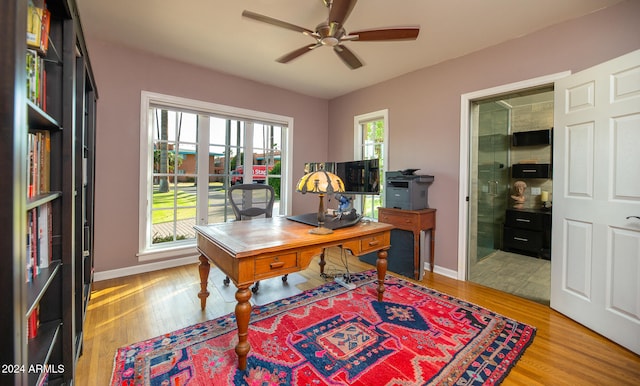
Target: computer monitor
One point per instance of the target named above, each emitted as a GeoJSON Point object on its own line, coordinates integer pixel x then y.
{"type": "Point", "coordinates": [359, 177]}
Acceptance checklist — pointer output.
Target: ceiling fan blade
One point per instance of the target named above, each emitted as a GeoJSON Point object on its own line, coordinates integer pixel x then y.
{"type": "Point", "coordinates": [276, 22]}
{"type": "Point", "coordinates": [294, 54]}
{"type": "Point", "coordinates": [348, 57]}
{"type": "Point", "coordinates": [340, 10]}
{"type": "Point", "coordinates": [384, 34]}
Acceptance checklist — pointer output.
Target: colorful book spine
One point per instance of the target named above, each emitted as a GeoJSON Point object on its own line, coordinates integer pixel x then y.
{"type": "Point", "coordinates": [39, 240]}
{"type": "Point", "coordinates": [39, 168]}
{"type": "Point", "coordinates": [33, 323]}
{"type": "Point", "coordinates": [38, 25]}
{"type": "Point", "coordinates": [44, 235]}
{"type": "Point", "coordinates": [34, 24]}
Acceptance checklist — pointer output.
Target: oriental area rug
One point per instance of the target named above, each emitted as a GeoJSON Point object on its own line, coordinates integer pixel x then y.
{"type": "Point", "coordinates": [335, 336]}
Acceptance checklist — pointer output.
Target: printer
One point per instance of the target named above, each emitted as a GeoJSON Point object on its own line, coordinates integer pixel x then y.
{"type": "Point", "coordinates": [406, 190]}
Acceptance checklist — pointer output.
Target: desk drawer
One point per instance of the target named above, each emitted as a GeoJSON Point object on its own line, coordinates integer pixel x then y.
{"type": "Point", "coordinates": [372, 243]}
{"type": "Point", "coordinates": [270, 266]}
{"type": "Point", "coordinates": [402, 221]}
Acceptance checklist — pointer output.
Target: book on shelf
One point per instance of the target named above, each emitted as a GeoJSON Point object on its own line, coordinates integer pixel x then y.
{"type": "Point", "coordinates": [39, 240]}
{"type": "Point", "coordinates": [44, 235]}
{"type": "Point", "coordinates": [33, 245]}
{"type": "Point", "coordinates": [46, 26]}
{"type": "Point", "coordinates": [44, 161]}
{"type": "Point", "coordinates": [39, 169]}
{"type": "Point", "coordinates": [38, 25]}
{"type": "Point", "coordinates": [36, 79]}
{"type": "Point", "coordinates": [33, 323]}
{"type": "Point", "coordinates": [34, 24]}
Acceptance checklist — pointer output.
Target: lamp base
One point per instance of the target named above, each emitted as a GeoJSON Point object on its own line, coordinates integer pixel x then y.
{"type": "Point", "coordinates": [321, 231]}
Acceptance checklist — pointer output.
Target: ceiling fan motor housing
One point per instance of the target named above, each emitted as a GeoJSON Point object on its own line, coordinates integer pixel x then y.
{"type": "Point", "coordinates": [327, 35]}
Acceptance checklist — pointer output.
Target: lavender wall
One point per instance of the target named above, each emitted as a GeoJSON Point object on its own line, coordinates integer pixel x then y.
{"type": "Point", "coordinates": [121, 74]}
{"type": "Point", "coordinates": [424, 106]}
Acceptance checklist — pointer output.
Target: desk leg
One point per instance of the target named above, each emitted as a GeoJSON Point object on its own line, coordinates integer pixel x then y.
{"type": "Point", "coordinates": [381, 266]}
{"type": "Point", "coordinates": [204, 269]}
{"type": "Point", "coordinates": [322, 263]}
{"type": "Point", "coordinates": [243, 313]}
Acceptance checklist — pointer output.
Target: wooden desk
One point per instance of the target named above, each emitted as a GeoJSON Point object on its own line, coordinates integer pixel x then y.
{"type": "Point", "coordinates": [414, 221]}
{"type": "Point", "coordinates": [248, 251]}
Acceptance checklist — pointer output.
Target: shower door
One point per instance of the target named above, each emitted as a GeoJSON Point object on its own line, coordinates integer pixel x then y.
{"type": "Point", "coordinates": [489, 177]}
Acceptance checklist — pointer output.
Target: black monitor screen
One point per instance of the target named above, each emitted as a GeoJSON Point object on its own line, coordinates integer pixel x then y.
{"type": "Point", "coordinates": [359, 177]}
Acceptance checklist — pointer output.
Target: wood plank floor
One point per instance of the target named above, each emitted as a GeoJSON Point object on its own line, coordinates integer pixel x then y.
{"type": "Point", "coordinates": [131, 309]}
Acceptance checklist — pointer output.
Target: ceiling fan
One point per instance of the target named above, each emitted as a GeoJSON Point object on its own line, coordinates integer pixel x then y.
{"type": "Point", "coordinates": [332, 33]}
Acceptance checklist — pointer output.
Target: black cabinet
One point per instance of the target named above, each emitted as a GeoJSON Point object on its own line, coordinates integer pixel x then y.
{"type": "Point", "coordinates": [528, 232]}
{"type": "Point", "coordinates": [532, 138]}
{"type": "Point", "coordinates": [531, 170]}
{"type": "Point", "coordinates": [401, 254]}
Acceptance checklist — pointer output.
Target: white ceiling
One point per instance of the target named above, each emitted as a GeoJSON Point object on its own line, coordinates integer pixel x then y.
{"type": "Point", "coordinates": [213, 34]}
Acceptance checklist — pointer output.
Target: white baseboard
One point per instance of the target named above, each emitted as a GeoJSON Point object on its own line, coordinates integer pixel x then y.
{"type": "Point", "coordinates": [121, 272]}
{"type": "Point", "coordinates": [442, 271]}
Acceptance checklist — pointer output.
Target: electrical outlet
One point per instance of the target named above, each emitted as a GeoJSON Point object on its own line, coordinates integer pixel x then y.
{"type": "Point", "coordinates": [535, 191]}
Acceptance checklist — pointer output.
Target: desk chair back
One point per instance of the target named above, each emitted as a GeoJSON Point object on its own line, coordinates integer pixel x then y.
{"type": "Point", "coordinates": [251, 200]}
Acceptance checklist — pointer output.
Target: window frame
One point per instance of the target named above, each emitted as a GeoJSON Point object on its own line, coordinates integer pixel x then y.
{"type": "Point", "coordinates": [149, 252]}
{"type": "Point", "coordinates": [358, 121]}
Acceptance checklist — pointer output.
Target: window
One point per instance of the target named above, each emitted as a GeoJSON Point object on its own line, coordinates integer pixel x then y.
{"type": "Point", "coordinates": [191, 152]}
{"type": "Point", "coordinates": [370, 142]}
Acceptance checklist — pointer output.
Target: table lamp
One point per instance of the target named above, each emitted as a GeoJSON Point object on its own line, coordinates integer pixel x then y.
{"type": "Point", "coordinates": [320, 182]}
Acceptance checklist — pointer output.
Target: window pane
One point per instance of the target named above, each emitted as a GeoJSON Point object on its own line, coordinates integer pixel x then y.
{"type": "Point", "coordinates": [173, 203]}
{"type": "Point", "coordinates": [183, 184]}
{"type": "Point", "coordinates": [219, 209]}
{"type": "Point", "coordinates": [372, 148]}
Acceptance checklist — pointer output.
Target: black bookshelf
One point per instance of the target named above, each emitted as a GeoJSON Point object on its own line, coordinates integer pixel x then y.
{"type": "Point", "coordinates": [44, 308]}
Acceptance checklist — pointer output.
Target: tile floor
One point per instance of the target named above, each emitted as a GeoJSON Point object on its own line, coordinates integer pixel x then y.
{"type": "Point", "coordinates": [525, 276]}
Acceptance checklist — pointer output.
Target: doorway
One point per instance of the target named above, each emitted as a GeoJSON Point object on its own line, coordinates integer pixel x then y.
{"type": "Point", "coordinates": [492, 260]}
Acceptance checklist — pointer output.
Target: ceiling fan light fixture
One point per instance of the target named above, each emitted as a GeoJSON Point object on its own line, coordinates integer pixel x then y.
{"type": "Point", "coordinates": [329, 41]}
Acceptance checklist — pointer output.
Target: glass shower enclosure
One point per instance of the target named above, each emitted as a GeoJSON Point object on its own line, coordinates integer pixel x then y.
{"type": "Point", "coordinates": [489, 175]}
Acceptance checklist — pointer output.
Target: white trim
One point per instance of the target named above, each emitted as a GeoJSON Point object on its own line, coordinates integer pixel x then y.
{"type": "Point", "coordinates": [148, 99]}
{"type": "Point", "coordinates": [442, 271]}
{"type": "Point", "coordinates": [202, 150]}
{"type": "Point", "coordinates": [357, 142]}
{"type": "Point", "coordinates": [463, 193]}
{"type": "Point", "coordinates": [160, 252]}
{"type": "Point", "coordinates": [121, 272]}
{"type": "Point", "coordinates": [357, 131]}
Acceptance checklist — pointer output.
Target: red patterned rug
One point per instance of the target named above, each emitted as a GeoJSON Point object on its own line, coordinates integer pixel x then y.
{"type": "Point", "coordinates": [334, 336]}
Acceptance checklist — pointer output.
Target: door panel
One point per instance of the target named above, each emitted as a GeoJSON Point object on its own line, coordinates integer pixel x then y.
{"type": "Point", "coordinates": [624, 270]}
{"type": "Point", "coordinates": [595, 271]}
{"type": "Point", "coordinates": [626, 147]}
{"type": "Point", "coordinates": [579, 150]}
{"type": "Point", "coordinates": [577, 274]}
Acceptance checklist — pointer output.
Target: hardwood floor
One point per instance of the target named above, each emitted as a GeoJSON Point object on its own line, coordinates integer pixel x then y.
{"type": "Point", "coordinates": [131, 309]}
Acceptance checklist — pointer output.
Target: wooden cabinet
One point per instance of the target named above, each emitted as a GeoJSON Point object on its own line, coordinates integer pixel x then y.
{"type": "Point", "coordinates": [414, 221]}
{"type": "Point", "coordinates": [47, 131]}
{"type": "Point", "coordinates": [528, 232]}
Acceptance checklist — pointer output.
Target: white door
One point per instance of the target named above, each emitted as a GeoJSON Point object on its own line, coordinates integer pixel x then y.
{"type": "Point", "coordinates": [595, 272]}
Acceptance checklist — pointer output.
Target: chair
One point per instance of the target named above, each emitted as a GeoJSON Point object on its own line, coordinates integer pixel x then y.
{"type": "Point", "coordinates": [249, 201]}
